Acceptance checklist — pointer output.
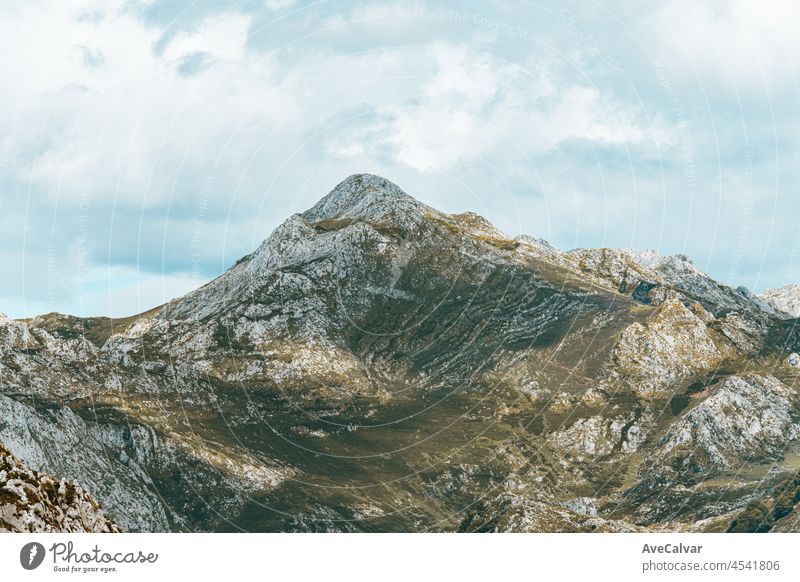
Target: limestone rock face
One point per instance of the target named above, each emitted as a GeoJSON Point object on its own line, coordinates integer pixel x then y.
{"type": "Point", "coordinates": [672, 345]}
{"type": "Point", "coordinates": [31, 502]}
{"type": "Point", "coordinates": [785, 299]}
{"type": "Point", "coordinates": [379, 365]}
{"type": "Point", "coordinates": [750, 415]}
{"type": "Point", "coordinates": [651, 278]}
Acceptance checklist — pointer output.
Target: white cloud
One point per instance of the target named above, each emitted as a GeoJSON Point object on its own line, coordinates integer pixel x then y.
{"type": "Point", "coordinates": [278, 4]}
{"type": "Point", "coordinates": [444, 125]}
{"type": "Point", "coordinates": [126, 129]}
{"type": "Point", "coordinates": [472, 103]}
{"type": "Point", "coordinates": [740, 41]}
{"type": "Point", "coordinates": [223, 36]}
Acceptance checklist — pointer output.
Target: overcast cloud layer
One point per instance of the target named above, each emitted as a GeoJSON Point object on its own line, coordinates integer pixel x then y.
{"type": "Point", "coordinates": [147, 145]}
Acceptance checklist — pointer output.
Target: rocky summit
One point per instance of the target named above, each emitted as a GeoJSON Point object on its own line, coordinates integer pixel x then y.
{"type": "Point", "coordinates": [378, 365]}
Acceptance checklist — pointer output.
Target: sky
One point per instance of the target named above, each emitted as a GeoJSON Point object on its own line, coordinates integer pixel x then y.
{"type": "Point", "coordinates": [146, 145]}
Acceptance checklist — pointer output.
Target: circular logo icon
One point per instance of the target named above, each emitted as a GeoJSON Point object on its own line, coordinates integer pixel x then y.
{"type": "Point", "coordinates": [31, 555]}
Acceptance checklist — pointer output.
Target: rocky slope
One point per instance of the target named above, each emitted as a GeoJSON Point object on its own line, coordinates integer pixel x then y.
{"type": "Point", "coordinates": [33, 503]}
{"type": "Point", "coordinates": [378, 365]}
{"type": "Point", "coordinates": [785, 300]}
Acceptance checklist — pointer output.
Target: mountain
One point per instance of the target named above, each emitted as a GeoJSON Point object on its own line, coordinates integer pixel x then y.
{"type": "Point", "coordinates": [378, 365]}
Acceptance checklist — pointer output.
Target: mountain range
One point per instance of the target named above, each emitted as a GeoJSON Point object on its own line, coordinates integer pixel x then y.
{"type": "Point", "coordinates": [378, 365]}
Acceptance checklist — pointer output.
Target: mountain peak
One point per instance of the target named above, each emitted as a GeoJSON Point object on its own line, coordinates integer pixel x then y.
{"type": "Point", "coordinates": [362, 196]}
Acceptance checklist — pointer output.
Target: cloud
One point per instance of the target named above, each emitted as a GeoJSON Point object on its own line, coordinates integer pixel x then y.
{"type": "Point", "coordinates": [131, 130]}
{"type": "Point", "coordinates": [470, 103]}
{"type": "Point", "coordinates": [222, 36]}
{"type": "Point", "coordinates": [738, 43]}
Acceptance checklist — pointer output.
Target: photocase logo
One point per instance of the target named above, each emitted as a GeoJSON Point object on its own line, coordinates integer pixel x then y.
{"type": "Point", "coordinates": [31, 555]}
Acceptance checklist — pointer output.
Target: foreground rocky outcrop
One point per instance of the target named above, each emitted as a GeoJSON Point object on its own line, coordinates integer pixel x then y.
{"type": "Point", "coordinates": [31, 502]}
{"type": "Point", "coordinates": [378, 365]}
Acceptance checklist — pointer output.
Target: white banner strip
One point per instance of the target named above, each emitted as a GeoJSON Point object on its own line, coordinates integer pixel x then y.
{"type": "Point", "coordinates": [388, 557]}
